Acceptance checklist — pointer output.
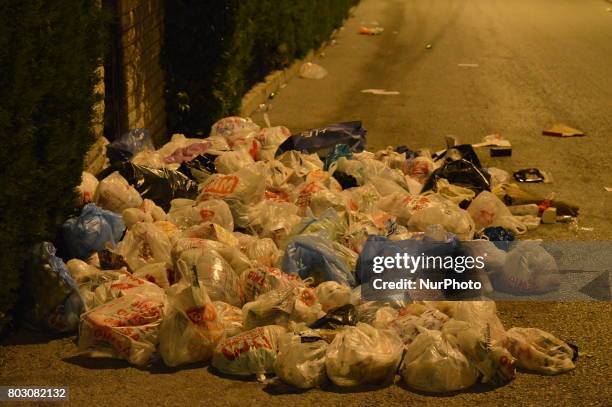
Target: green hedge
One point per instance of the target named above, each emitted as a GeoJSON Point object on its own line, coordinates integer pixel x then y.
{"type": "Point", "coordinates": [215, 50]}
{"type": "Point", "coordinates": [48, 53]}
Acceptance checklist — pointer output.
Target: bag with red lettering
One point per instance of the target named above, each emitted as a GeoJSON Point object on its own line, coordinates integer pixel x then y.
{"type": "Point", "coordinates": [125, 328]}
{"type": "Point", "coordinates": [125, 285]}
{"type": "Point", "coordinates": [245, 185]}
{"type": "Point", "coordinates": [270, 138]}
{"type": "Point", "coordinates": [215, 274]}
{"type": "Point", "coordinates": [186, 213]}
{"type": "Point", "coordinates": [86, 189]}
{"type": "Point", "coordinates": [143, 244]}
{"type": "Point", "coordinates": [249, 353]}
{"type": "Point", "coordinates": [261, 279]}
{"type": "Point", "coordinates": [192, 327]}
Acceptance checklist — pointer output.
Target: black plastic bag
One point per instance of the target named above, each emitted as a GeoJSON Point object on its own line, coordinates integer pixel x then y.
{"type": "Point", "coordinates": [160, 185]}
{"type": "Point", "coordinates": [463, 173]}
{"type": "Point", "coordinates": [336, 317]}
{"type": "Point", "coordinates": [345, 180]}
{"type": "Point", "coordinates": [200, 167]}
{"type": "Point", "coordinates": [466, 151]}
{"type": "Point", "coordinates": [128, 145]}
{"type": "Point", "coordinates": [323, 140]}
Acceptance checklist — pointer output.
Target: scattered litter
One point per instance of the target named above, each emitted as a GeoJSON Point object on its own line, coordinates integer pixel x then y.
{"type": "Point", "coordinates": [500, 151]}
{"type": "Point", "coordinates": [496, 140]}
{"type": "Point", "coordinates": [549, 215]}
{"type": "Point", "coordinates": [371, 30]}
{"type": "Point", "coordinates": [608, 189]}
{"type": "Point", "coordinates": [312, 71]}
{"type": "Point", "coordinates": [428, 46]}
{"type": "Point", "coordinates": [531, 175]}
{"type": "Point", "coordinates": [468, 65]}
{"type": "Point", "coordinates": [562, 130]}
{"type": "Point", "coordinates": [380, 92]}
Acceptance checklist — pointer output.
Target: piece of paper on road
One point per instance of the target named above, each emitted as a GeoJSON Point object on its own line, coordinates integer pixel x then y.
{"type": "Point", "coordinates": [380, 92]}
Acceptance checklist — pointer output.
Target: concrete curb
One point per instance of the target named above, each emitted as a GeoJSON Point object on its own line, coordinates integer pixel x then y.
{"type": "Point", "coordinates": [261, 91]}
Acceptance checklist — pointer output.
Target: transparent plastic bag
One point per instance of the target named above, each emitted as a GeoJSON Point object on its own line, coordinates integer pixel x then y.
{"type": "Point", "coordinates": [244, 185]}
{"type": "Point", "coordinates": [270, 138]}
{"type": "Point", "coordinates": [233, 126]}
{"type": "Point", "coordinates": [232, 161]}
{"type": "Point", "coordinates": [488, 210]}
{"type": "Point", "coordinates": [249, 353]}
{"type": "Point", "coordinates": [262, 251]}
{"type": "Point", "coordinates": [262, 279]}
{"type": "Point", "coordinates": [216, 275]}
{"type": "Point", "coordinates": [125, 328]}
{"type": "Point", "coordinates": [124, 285]}
{"type": "Point", "coordinates": [186, 213]}
{"type": "Point", "coordinates": [361, 355]}
{"type": "Point", "coordinates": [116, 194]}
{"type": "Point", "coordinates": [446, 213]}
{"type": "Point", "coordinates": [528, 269]}
{"type": "Point", "coordinates": [86, 189]}
{"type": "Point", "coordinates": [156, 273]}
{"type": "Point", "coordinates": [408, 326]}
{"type": "Point", "coordinates": [301, 359]}
{"type": "Point", "coordinates": [191, 327]}
{"type": "Point", "coordinates": [143, 244]}
{"type": "Point", "coordinates": [495, 364]}
{"type": "Point", "coordinates": [231, 317]}
{"type": "Point", "coordinates": [434, 364]}
{"type": "Point", "coordinates": [147, 212]}
{"type": "Point", "coordinates": [280, 306]}
{"type": "Point", "coordinates": [540, 351]}
{"type": "Point", "coordinates": [333, 295]}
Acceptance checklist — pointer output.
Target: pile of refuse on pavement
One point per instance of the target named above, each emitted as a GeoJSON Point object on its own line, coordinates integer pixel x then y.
{"type": "Point", "coordinates": [241, 249]}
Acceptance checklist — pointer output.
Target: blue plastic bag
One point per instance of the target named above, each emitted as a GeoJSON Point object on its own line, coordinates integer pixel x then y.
{"type": "Point", "coordinates": [380, 246]}
{"type": "Point", "coordinates": [316, 256]}
{"type": "Point", "coordinates": [323, 140]}
{"type": "Point", "coordinates": [52, 297]}
{"type": "Point", "coordinates": [340, 150]}
{"type": "Point", "coordinates": [91, 230]}
{"type": "Point", "coordinates": [128, 145]}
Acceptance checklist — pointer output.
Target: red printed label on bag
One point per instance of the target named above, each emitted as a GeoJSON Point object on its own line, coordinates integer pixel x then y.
{"type": "Point", "coordinates": [222, 185]}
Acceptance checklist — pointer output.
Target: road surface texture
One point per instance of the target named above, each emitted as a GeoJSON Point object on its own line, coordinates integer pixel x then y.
{"type": "Point", "coordinates": [538, 62]}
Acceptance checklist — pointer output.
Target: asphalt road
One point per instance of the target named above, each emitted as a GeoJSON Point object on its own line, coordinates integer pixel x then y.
{"type": "Point", "coordinates": [538, 62]}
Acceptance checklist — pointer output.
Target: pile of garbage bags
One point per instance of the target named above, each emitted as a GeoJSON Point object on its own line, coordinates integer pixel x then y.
{"type": "Point", "coordinates": [241, 249]}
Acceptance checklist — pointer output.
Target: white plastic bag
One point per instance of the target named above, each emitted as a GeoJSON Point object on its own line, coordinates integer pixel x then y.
{"type": "Point", "coordinates": [263, 251]}
{"type": "Point", "coordinates": [333, 295]}
{"type": "Point", "coordinates": [262, 279]}
{"type": "Point", "coordinates": [446, 213]}
{"type": "Point", "coordinates": [528, 269]}
{"type": "Point", "coordinates": [191, 328]}
{"type": "Point", "coordinates": [245, 185]}
{"type": "Point", "coordinates": [539, 351]}
{"type": "Point", "coordinates": [310, 70]}
{"type": "Point", "coordinates": [280, 306]}
{"type": "Point", "coordinates": [419, 168]}
{"type": "Point", "coordinates": [249, 353]}
{"type": "Point", "coordinates": [143, 244]}
{"type": "Point", "coordinates": [86, 189]}
{"type": "Point", "coordinates": [301, 359]}
{"type": "Point", "coordinates": [116, 194]}
{"type": "Point", "coordinates": [215, 274]}
{"type": "Point", "coordinates": [186, 213]}
{"type": "Point", "coordinates": [488, 210]}
{"type": "Point", "coordinates": [409, 326]}
{"type": "Point", "coordinates": [231, 317]}
{"type": "Point", "coordinates": [126, 328]}
{"type": "Point", "coordinates": [363, 354]}
{"type": "Point", "coordinates": [232, 161]}
{"type": "Point", "coordinates": [270, 138]}
{"type": "Point", "coordinates": [156, 273]}
{"type": "Point", "coordinates": [147, 212]}
{"type": "Point", "coordinates": [233, 126]}
{"type": "Point", "coordinates": [124, 285]}
{"type": "Point", "coordinates": [434, 364]}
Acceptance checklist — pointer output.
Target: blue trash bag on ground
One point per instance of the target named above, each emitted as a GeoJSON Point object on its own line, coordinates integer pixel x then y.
{"type": "Point", "coordinates": [52, 297]}
{"type": "Point", "coordinates": [128, 145]}
{"type": "Point", "coordinates": [323, 140]}
{"type": "Point", "coordinates": [314, 256]}
{"type": "Point", "coordinates": [91, 231]}
{"type": "Point", "coordinates": [380, 246]}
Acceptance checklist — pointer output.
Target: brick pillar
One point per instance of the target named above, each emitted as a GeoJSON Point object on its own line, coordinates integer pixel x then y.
{"type": "Point", "coordinates": [141, 34]}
